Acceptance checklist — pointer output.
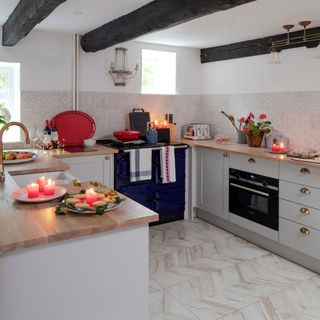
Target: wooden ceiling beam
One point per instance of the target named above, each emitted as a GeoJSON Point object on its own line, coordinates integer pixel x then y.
{"type": "Point", "coordinates": [154, 16]}
{"type": "Point", "coordinates": [26, 15]}
{"type": "Point", "coordinates": [254, 47]}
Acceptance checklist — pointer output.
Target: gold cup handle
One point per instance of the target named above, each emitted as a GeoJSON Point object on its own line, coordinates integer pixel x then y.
{"type": "Point", "coordinates": [305, 231]}
{"type": "Point", "coordinates": [305, 171]}
{"type": "Point", "coordinates": [305, 190]}
{"type": "Point", "coordinates": [304, 211]}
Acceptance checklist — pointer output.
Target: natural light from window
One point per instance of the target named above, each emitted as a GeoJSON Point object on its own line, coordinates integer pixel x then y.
{"type": "Point", "coordinates": [10, 98]}
{"type": "Point", "coordinates": [158, 72]}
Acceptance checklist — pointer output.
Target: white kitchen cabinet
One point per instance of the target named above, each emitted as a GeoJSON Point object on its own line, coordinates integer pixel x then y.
{"type": "Point", "coordinates": [92, 168]}
{"type": "Point", "coordinates": [212, 181]}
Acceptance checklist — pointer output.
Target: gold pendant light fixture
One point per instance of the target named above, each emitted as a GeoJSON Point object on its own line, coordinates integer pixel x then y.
{"type": "Point", "coordinates": [292, 42]}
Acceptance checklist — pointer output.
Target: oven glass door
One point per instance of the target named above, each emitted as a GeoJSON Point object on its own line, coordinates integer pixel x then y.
{"type": "Point", "coordinates": [255, 203]}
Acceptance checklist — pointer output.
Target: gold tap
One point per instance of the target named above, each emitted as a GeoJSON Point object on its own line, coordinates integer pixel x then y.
{"type": "Point", "coordinates": [5, 127]}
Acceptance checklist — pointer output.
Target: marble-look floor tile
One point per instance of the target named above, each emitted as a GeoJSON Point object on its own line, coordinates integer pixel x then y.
{"type": "Point", "coordinates": [200, 272]}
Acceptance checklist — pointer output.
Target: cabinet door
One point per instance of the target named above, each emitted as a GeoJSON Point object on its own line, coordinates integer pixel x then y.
{"type": "Point", "coordinates": [212, 181]}
{"type": "Point", "coordinates": [89, 168]}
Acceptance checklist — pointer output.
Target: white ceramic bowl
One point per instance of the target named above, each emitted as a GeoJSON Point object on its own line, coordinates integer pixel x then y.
{"type": "Point", "coordinates": [89, 142]}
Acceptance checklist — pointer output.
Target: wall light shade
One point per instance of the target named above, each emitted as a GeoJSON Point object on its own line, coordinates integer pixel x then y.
{"type": "Point", "coordinates": [317, 56]}
{"type": "Point", "coordinates": [118, 69]}
{"type": "Point", "coordinates": [274, 58]}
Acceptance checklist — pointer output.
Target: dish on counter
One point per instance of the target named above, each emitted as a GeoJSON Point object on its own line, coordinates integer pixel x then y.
{"type": "Point", "coordinates": [22, 195]}
{"type": "Point", "coordinates": [76, 203]}
{"type": "Point", "coordinates": [16, 156]}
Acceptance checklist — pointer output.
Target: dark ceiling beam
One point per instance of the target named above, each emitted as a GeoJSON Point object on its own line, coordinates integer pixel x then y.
{"type": "Point", "coordinates": [254, 47]}
{"type": "Point", "coordinates": [26, 15]}
{"type": "Point", "coordinates": [154, 16]}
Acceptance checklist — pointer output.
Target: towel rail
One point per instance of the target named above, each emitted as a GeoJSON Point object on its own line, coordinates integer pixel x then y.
{"type": "Point", "coordinates": [159, 148]}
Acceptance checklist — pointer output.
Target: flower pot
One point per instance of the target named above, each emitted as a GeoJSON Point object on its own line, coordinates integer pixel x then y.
{"type": "Point", "coordinates": [254, 141]}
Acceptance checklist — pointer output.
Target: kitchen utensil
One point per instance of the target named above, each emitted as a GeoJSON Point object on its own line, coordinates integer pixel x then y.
{"type": "Point", "coordinates": [74, 127]}
{"type": "Point", "coordinates": [22, 195]}
{"type": "Point", "coordinates": [152, 136]}
{"type": "Point", "coordinates": [139, 120]}
{"type": "Point", "coordinates": [231, 119]}
{"type": "Point", "coordinates": [33, 154]}
{"type": "Point", "coordinates": [127, 134]}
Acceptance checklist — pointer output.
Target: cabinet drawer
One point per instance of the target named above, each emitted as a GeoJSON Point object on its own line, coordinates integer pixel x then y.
{"type": "Point", "coordinates": [299, 193]}
{"type": "Point", "coordinates": [307, 216]}
{"type": "Point", "coordinates": [300, 174]}
{"type": "Point", "coordinates": [291, 235]}
{"type": "Point", "coordinates": [256, 165]}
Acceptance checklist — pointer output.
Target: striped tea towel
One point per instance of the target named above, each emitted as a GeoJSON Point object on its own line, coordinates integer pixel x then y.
{"type": "Point", "coordinates": [168, 164]}
{"type": "Point", "coordinates": [140, 164]}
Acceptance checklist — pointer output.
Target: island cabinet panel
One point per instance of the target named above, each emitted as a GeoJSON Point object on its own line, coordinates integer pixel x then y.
{"type": "Point", "coordinates": [212, 181]}
{"type": "Point", "coordinates": [104, 276]}
{"type": "Point", "coordinates": [92, 168]}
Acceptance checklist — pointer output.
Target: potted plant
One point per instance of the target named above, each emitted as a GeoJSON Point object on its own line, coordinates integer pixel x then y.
{"type": "Point", "coordinates": [255, 130]}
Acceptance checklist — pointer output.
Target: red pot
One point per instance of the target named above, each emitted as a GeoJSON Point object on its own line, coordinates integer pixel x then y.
{"type": "Point", "coordinates": [127, 134]}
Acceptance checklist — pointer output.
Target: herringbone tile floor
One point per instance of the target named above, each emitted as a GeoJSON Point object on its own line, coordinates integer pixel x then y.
{"type": "Point", "coordinates": [200, 272]}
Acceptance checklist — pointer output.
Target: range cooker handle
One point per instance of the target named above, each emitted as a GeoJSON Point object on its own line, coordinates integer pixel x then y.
{"type": "Point", "coordinates": [249, 189]}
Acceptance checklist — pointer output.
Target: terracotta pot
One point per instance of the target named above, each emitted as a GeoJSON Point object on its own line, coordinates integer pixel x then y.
{"type": "Point", "coordinates": [254, 141]}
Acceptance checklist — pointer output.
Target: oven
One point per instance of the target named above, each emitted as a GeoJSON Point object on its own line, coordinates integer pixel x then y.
{"type": "Point", "coordinates": [254, 197]}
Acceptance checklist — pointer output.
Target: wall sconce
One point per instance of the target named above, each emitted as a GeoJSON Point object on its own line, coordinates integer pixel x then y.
{"type": "Point", "coordinates": [118, 69]}
{"type": "Point", "coordinates": [289, 42]}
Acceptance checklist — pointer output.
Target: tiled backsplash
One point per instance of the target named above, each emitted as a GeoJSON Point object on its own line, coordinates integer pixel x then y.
{"type": "Point", "coordinates": [294, 114]}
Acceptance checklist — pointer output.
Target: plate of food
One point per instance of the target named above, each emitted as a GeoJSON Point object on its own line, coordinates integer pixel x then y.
{"type": "Point", "coordinates": [18, 156]}
{"type": "Point", "coordinates": [78, 203]}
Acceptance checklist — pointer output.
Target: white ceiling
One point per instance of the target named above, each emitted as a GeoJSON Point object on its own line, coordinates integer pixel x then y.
{"type": "Point", "coordinates": [249, 21]}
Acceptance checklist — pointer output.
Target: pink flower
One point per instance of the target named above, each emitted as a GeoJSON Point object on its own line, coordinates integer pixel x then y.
{"type": "Point", "coordinates": [251, 115]}
{"type": "Point", "coordinates": [262, 116]}
{"type": "Point", "coordinates": [242, 120]}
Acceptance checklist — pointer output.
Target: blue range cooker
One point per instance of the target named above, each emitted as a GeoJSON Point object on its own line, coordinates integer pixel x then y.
{"type": "Point", "coordinates": [168, 200]}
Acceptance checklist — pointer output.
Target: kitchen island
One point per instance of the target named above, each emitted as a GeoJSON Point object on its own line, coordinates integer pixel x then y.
{"type": "Point", "coordinates": [72, 267]}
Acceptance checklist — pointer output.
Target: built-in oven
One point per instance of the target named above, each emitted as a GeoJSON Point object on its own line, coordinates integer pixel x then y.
{"type": "Point", "coordinates": [254, 197]}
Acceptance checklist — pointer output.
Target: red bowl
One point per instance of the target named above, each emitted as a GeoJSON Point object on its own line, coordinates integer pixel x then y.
{"type": "Point", "coordinates": [127, 135]}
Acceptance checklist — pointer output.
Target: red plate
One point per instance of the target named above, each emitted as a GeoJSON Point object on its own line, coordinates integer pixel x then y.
{"type": "Point", "coordinates": [74, 127]}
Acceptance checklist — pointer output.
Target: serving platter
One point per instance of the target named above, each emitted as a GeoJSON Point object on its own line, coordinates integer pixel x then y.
{"type": "Point", "coordinates": [22, 195]}
{"type": "Point", "coordinates": [83, 211]}
{"type": "Point", "coordinates": [33, 154]}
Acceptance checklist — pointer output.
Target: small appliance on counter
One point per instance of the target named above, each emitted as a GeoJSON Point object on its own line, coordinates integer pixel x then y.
{"type": "Point", "coordinates": [197, 132]}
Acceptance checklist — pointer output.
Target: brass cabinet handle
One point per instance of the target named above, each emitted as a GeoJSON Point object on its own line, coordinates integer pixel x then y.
{"type": "Point", "coordinates": [252, 160]}
{"type": "Point", "coordinates": [108, 157]}
{"type": "Point", "coordinates": [305, 190]}
{"type": "Point", "coordinates": [305, 171]}
{"type": "Point", "coordinates": [226, 154]}
{"type": "Point", "coordinates": [304, 211]}
{"type": "Point", "coordinates": [305, 231]}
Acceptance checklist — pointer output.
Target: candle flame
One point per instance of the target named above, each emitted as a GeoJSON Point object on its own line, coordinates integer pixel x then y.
{"type": "Point", "coordinates": [49, 183]}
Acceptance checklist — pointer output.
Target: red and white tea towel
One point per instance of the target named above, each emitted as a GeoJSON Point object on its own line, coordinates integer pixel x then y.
{"type": "Point", "coordinates": [168, 164]}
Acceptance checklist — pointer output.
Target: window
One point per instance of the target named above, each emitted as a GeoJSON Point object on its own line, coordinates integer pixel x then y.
{"type": "Point", "coordinates": [158, 72]}
{"type": "Point", "coordinates": [10, 97]}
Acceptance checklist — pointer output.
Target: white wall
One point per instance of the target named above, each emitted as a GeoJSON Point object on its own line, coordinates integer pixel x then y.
{"type": "Point", "coordinates": [94, 69]}
{"type": "Point", "coordinates": [46, 65]}
{"type": "Point", "coordinates": [298, 72]}
{"type": "Point", "coordinates": [46, 60]}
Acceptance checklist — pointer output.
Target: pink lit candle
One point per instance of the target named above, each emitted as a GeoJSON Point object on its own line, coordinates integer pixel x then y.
{"type": "Point", "coordinates": [42, 182]}
{"type": "Point", "coordinates": [33, 190]}
{"type": "Point", "coordinates": [49, 188]}
{"type": "Point", "coordinates": [91, 196]}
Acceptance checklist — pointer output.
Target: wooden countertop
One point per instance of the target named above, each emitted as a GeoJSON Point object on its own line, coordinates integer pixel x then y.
{"type": "Point", "coordinates": [28, 225]}
{"type": "Point", "coordinates": [244, 149]}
